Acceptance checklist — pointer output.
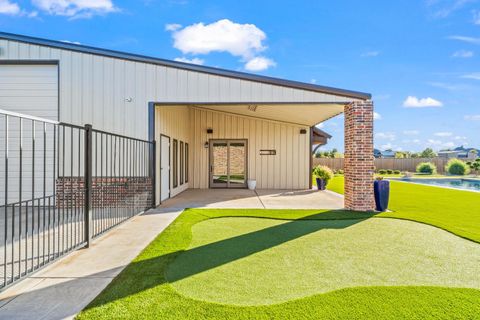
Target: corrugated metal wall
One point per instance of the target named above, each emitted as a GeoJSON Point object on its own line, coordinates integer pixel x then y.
{"type": "Point", "coordinates": [172, 121]}
{"type": "Point", "coordinates": [288, 169]}
{"type": "Point", "coordinates": [94, 89]}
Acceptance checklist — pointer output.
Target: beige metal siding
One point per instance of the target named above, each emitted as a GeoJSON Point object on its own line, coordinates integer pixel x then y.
{"type": "Point", "coordinates": [94, 89]}
{"type": "Point", "coordinates": [33, 90]}
{"type": "Point", "coordinates": [288, 169]}
{"type": "Point", "coordinates": [172, 121]}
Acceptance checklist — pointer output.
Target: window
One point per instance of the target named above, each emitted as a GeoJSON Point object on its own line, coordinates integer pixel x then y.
{"type": "Point", "coordinates": [186, 162]}
{"type": "Point", "coordinates": [181, 162]}
{"type": "Point", "coordinates": [175, 163]}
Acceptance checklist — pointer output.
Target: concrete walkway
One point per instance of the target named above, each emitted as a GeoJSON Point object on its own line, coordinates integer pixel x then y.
{"type": "Point", "coordinates": [64, 288]}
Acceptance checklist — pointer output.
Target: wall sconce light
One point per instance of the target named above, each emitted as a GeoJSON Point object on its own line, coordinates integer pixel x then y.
{"type": "Point", "coordinates": [129, 99]}
{"type": "Point", "coordinates": [209, 131]}
{"type": "Point", "coordinates": [206, 144]}
{"type": "Point", "coordinates": [303, 131]}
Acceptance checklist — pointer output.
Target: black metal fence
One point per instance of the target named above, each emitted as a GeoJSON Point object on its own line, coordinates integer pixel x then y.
{"type": "Point", "coordinates": [62, 185]}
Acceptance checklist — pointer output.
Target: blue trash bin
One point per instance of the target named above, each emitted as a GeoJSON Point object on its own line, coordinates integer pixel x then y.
{"type": "Point", "coordinates": [382, 194]}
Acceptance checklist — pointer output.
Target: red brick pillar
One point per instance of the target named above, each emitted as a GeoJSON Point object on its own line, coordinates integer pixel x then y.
{"type": "Point", "coordinates": [359, 161]}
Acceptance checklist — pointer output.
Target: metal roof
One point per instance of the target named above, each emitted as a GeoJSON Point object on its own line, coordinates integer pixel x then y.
{"type": "Point", "coordinates": [185, 66]}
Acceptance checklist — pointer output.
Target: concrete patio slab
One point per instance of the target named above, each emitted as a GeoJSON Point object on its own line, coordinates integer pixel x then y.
{"type": "Point", "coordinates": [300, 199]}
{"type": "Point", "coordinates": [258, 199]}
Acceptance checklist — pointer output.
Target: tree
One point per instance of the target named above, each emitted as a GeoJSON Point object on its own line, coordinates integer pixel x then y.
{"type": "Point", "coordinates": [428, 153]}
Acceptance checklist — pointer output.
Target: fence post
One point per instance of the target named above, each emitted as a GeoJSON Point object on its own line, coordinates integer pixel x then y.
{"type": "Point", "coordinates": [153, 168]}
{"type": "Point", "coordinates": [88, 184]}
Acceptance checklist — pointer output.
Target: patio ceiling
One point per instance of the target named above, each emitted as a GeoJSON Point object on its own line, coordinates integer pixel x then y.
{"type": "Point", "coordinates": [308, 114]}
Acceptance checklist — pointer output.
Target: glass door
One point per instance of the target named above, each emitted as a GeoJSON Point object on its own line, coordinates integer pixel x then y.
{"type": "Point", "coordinates": [228, 163]}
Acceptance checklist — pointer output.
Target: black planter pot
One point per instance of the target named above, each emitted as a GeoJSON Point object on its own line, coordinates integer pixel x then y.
{"type": "Point", "coordinates": [321, 185]}
{"type": "Point", "coordinates": [382, 194]}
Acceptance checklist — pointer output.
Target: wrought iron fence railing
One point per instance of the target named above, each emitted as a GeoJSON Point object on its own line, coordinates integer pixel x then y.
{"type": "Point", "coordinates": [62, 185]}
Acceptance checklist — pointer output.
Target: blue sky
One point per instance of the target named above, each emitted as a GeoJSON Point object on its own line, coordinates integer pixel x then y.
{"type": "Point", "coordinates": [420, 59]}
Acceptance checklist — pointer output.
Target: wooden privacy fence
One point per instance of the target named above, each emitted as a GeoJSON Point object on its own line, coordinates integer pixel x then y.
{"type": "Point", "coordinates": [403, 165]}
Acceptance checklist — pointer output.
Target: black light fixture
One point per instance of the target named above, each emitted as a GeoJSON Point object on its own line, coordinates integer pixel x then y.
{"type": "Point", "coordinates": [209, 131]}
{"type": "Point", "coordinates": [303, 131]}
{"type": "Point", "coordinates": [206, 144]}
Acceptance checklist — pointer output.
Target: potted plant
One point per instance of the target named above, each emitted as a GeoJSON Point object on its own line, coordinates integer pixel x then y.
{"type": "Point", "coordinates": [381, 189]}
{"type": "Point", "coordinates": [322, 175]}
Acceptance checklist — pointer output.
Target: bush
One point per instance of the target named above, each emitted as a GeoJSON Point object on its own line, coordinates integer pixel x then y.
{"type": "Point", "coordinates": [427, 168]}
{"type": "Point", "coordinates": [457, 167]}
{"type": "Point", "coordinates": [382, 171]}
{"type": "Point", "coordinates": [323, 172]}
{"type": "Point", "coordinates": [340, 171]}
{"type": "Point", "coordinates": [397, 172]}
{"type": "Point", "coordinates": [389, 171]}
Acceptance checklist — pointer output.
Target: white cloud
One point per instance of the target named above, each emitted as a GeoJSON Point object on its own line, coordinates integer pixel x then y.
{"type": "Point", "coordinates": [475, 117]}
{"type": "Point", "coordinates": [387, 146]}
{"type": "Point", "coordinates": [460, 138]}
{"type": "Point", "coordinates": [192, 61]}
{"type": "Point", "coordinates": [443, 134]}
{"type": "Point", "coordinates": [9, 8]}
{"type": "Point", "coordinates": [259, 64]}
{"type": "Point", "coordinates": [240, 40]}
{"type": "Point", "coordinates": [377, 116]}
{"type": "Point", "coordinates": [75, 8]}
{"type": "Point", "coordinates": [313, 81]}
{"type": "Point", "coordinates": [411, 132]}
{"type": "Point", "coordinates": [414, 102]}
{"type": "Point", "coordinates": [370, 54]}
{"type": "Point", "coordinates": [474, 76]}
{"type": "Point", "coordinates": [440, 143]}
{"type": "Point", "coordinates": [243, 40]}
{"type": "Point", "coordinates": [471, 40]}
{"type": "Point", "coordinates": [443, 9]}
{"type": "Point", "coordinates": [463, 54]}
{"type": "Point", "coordinates": [416, 141]}
{"type": "Point", "coordinates": [476, 17]}
{"type": "Point", "coordinates": [385, 136]}
{"type": "Point", "coordinates": [172, 26]}
{"type": "Point", "coordinates": [434, 142]}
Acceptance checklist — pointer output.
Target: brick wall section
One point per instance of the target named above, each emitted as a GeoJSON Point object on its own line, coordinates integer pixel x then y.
{"type": "Point", "coordinates": [359, 160]}
{"type": "Point", "coordinates": [121, 192]}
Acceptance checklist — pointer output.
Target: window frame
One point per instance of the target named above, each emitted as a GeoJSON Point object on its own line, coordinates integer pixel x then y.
{"type": "Point", "coordinates": [175, 163]}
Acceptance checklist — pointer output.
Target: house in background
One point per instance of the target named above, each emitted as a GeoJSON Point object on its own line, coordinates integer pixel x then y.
{"type": "Point", "coordinates": [213, 128]}
{"type": "Point", "coordinates": [383, 154]}
{"type": "Point", "coordinates": [460, 153]}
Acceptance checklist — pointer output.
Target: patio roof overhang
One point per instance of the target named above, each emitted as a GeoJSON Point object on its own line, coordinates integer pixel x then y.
{"type": "Point", "coordinates": [307, 114]}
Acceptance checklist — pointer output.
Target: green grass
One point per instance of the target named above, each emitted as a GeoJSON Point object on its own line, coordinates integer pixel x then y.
{"type": "Point", "coordinates": [453, 210]}
{"type": "Point", "coordinates": [396, 269]}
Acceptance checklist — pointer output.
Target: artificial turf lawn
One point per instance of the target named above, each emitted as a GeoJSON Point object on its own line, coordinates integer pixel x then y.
{"type": "Point", "coordinates": [143, 291]}
{"type": "Point", "coordinates": [456, 211]}
{"type": "Point", "coordinates": [252, 261]}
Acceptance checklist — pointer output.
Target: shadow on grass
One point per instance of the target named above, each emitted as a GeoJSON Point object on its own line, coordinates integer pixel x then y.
{"type": "Point", "coordinates": [142, 275]}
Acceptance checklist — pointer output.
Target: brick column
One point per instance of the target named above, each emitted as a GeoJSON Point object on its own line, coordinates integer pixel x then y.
{"type": "Point", "coordinates": [359, 161]}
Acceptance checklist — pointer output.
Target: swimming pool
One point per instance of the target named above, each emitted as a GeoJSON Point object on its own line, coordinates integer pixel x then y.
{"type": "Point", "coordinates": [463, 184]}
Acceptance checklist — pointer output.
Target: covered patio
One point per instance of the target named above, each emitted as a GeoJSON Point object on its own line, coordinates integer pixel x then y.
{"type": "Point", "coordinates": [225, 145]}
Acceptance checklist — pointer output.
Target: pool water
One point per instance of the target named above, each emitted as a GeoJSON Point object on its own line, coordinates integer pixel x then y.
{"type": "Point", "coordinates": [463, 184]}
